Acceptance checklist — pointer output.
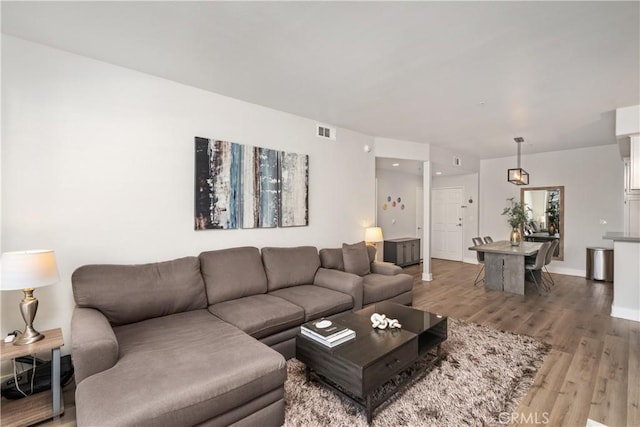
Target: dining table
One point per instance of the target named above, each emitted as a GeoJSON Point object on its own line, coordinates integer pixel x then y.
{"type": "Point", "coordinates": [504, 264]}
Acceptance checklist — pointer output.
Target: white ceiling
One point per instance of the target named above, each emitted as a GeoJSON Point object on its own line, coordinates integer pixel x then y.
{"type": "Point", "coordinates": [468, 76]}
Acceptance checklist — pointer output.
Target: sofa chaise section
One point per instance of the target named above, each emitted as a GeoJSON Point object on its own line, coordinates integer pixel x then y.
{"type": "Point", "coordinates": [162, 357]}
{"type": "Point", "coordinates": [183, 369]}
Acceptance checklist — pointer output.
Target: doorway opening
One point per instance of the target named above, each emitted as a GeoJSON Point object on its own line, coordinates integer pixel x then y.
{"type": "Point", "coordinates": [400, 199]}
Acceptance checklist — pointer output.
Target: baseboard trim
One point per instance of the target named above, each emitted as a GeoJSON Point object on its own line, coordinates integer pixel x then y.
{"type": "Point", "coordinates": [625, 313]}
{"type": "Point", "coordinates": [566, 271]}
{"type": "Point", "coordinates": [552, 269]}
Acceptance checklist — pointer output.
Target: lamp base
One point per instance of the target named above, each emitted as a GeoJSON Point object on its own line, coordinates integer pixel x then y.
{"type": "Point", "coordinates": [29, 336]}
{"type": "Point", "coordinates": [28, 309]}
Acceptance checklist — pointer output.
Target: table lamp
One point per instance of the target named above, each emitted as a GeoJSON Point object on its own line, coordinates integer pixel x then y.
{"type": "Point", "coordinates": [373, 235]}
{"type": "Point", "coordinates": [26, 270]}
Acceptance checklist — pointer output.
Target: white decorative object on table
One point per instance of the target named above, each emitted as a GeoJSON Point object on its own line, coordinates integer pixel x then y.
{"type": "Point", "coordinates": [381, 321]}
{"type": "Point", "coordinates": [324, 324]}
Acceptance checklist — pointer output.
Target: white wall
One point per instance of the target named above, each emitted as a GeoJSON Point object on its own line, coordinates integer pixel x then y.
{"type": "Point", "coordinates": [399, 149]}
{"type": "Point", "coordinates": [444, 157]}
{"type": "Point", "coordinates": [395, 221]}
{"type": "Point", "coordinates": [593, 190]}
{"type": "Point", "coordinates": [98, 165]}
{"type": "Point", "coordinates": [628, 120]}
{"type": "Point", "coordinates": [470, 209]}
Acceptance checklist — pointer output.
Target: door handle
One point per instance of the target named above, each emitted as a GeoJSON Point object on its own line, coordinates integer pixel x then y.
{"type": "Point", "coordinates": [392, 363]}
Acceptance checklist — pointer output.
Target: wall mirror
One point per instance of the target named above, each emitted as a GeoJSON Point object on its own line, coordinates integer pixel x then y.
{"type": "Point", "coordinates": [546, 215]}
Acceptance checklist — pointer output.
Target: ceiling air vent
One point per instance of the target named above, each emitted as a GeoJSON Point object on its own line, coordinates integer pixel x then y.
{"type": "Point", "coordinates": [457, 161]}
{"type": "Point", "coordinates": [326, 132]}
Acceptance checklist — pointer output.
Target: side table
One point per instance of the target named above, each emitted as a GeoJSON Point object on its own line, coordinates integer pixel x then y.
{"type": "Point", "coordinates": [41, 406]}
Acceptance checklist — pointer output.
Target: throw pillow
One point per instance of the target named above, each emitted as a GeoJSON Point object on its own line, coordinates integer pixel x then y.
{"type": "Point", "coordinates": [356, 258]}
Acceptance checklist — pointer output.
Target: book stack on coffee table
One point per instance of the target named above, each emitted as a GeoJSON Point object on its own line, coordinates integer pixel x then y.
{"type": "Point", "coordinates": [327, 332]}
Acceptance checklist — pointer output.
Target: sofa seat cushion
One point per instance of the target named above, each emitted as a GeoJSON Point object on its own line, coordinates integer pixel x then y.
{"type": "Point", "coordinates": [379, 287]}
{"type": "Point", "coordinates": [259, 315]}
{"type": "Point", "coordinates": [194, 365]}
{"type": "Point", "coordinates": [315, 300]}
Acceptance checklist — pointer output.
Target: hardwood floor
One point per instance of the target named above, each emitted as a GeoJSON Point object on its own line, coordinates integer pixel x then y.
{"type": "Point", "coordinates": [593, 369]}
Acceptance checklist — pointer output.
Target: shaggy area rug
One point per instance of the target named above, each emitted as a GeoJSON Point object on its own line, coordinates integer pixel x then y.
{"type": "Point", "coordinates": [483, 372]}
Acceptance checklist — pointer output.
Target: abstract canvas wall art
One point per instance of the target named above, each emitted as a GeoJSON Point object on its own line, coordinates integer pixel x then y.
{"type": "Point", "coordinates": [243, 186]}
{"type": "Point", "coordinates": [217, 184]}
{"type": "Point", "coordinates": [294, 189]}
{"type": "Point", "coordinates": [259, 196]}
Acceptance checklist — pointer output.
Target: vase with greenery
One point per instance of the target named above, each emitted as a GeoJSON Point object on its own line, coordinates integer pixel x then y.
{"type": "Point", "coordinates": [517, 218]}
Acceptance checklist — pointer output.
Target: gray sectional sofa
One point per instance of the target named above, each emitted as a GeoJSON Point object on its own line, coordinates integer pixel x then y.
{"type": "Point", "coordinates": [203, 340]}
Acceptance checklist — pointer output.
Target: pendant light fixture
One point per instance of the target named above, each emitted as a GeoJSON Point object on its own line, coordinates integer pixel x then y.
{"type": "Point", "coordinates": [518, 176]}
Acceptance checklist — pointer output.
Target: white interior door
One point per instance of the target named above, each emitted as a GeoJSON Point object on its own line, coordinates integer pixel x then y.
{"type": "Point", "coordinates": [446, 223]}
{"type": "Point", "coordinates": [420, 216]}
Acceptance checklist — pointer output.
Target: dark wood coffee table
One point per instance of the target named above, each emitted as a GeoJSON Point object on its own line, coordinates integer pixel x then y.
{"type": "Point", "coordinates": [356, 369]}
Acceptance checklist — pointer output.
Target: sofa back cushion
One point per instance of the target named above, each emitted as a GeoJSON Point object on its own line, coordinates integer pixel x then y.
{"type": "Point", "coordinates": [371, 251]}
{"type": "Point", "coordinates": [132, 293]}
{"type": "Point", "coordinates": [232, 273]}
{"type": "Point", "coordinates": [356, 258]}
{"type": "Point", "coordinates": [287, 267]}
{"type": "Point", "coordinates": [332, 258]}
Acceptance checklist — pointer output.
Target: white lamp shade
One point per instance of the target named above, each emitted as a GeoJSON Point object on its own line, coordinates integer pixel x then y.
{"type": "Point", "coordinates": [373, 234]}
{"type": "Point", "coordinates": [28, 269]}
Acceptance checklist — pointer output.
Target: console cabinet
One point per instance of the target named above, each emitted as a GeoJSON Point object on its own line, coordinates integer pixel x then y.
{"type": "Point", "coordinates": [402, 252]}
{"type": "Point", "coordinates": [631, 198]}
{"type": "Point", "coordinates": [634, 164]}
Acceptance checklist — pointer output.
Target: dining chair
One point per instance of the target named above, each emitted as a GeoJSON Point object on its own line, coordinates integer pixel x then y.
{"type": "Point", "coordinates": [488, 239]}
{"type": "Point", "coordinates": [548, 259]}
{"type": "Point", "coordinates": [477, 241]}
{"type": "Point", "coordinates": [540, 259]}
